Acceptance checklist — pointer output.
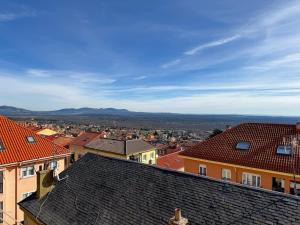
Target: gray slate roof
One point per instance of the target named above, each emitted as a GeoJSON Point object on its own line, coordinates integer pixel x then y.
{"type": "Point", "coordinates": [121, 147]}
{"type": "Point", "coordinates": [109, 191]}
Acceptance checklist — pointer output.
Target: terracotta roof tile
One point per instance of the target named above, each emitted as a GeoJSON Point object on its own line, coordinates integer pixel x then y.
{"type": "Point", "coordinates": [84, 138]}
{"type": "Point", "coordinates": [18, 149]}
{"type": "Point", "coordinates": [170, 161]}
{"type": "Point", "coordinates": [264, 140]}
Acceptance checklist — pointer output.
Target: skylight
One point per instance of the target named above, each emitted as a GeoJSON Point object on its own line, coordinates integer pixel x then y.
{"type": "Point", "coordinates": [30, 139]}
{"type": "Point", "coordinates": [284, 150]}
{"type": "Point", "coordinates": [243, 145]}
{"type": "Point", "coordinates": [1, 146]}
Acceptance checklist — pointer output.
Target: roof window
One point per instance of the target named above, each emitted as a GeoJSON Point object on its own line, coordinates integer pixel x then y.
{"type": "Point", "coordinates": [284, 150]}
{"type": "Point", "coordinates": [1, 146]}
{"type": "Point", "coordinates": [30, 139]}
{"type": "Point", "coordinates": [243, 145]}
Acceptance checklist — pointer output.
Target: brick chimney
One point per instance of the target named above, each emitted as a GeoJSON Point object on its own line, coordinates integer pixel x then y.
{"type": "Point", "coordinates": [177, 219]}
{"type": "Point", "coordinates": [45, 181]}
{"type": "Point", "coordinates": [298, 126]}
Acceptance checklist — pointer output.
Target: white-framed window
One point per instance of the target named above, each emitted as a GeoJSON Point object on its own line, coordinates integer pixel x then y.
{"type": "Point", "coordinates": [226, 174]}
{"type": "Point", "coordinates": [144, 157]}
{"type": "Point", "coordinates": [27, 171]}
{"type": "Point", "coordinates": [53, 165]}
{"type": "Point", "coordinates": [25, 195]}
{"type": "Point", "coordinates": [202, 170]}
{"type": "Point", "coordinates": [251, 179]}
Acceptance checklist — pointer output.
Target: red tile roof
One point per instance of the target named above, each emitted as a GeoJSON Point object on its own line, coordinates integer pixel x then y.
{"type": "Point", "coordinates": [170, 161]}
{"type": "Point", "coordinates": [263, 138]}
{"type": "Point", "coordinates": [84, 138]}
{"type": "Point", "coordinates": [16, 147]}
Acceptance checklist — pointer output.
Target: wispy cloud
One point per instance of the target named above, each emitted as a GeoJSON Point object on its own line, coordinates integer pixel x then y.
{"type": "Point", "coordinates": [216, 43]}
{"type": "Point", "coordinates": [140, 78]}
{"type": "Point", "coordinates": [10, 16]}
{"type": "Point", "coordinates": [77, 76]}
{"type": "Point", "coordinates": [170, 64]}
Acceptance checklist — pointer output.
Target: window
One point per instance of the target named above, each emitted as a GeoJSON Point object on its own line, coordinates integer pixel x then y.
{"type": "Point", "coordinates": [243, 145]}
{"type": "Point", "coordinates": [277, 184]}
{"type": "Point", "coordinates": [30, 139]}
{"type": "Point", "coordinates": [53, 165]}
{"type": "Point", "coordinates": [251, 179]}
{"type": "Point", "coordinates": [27, 171]}
{"type": "Point", "coordinates": [226, 174]}
{"type": "Point", "coordinates": [1, 212]}
{"type": "Point", "coordinates": [152, 155]}
{"type": "Point", "coordinates": [1, 145]}
{"type": "Point", "coordinates": [25, 195]}
{"type": "Point", "coordinates": [284, 150]}
{"type": "Point", "coordinates": [144, 157]}
{"type": "Point", "coordinates": [292, 188]}
{"type": "Point", "coordinates": [1, 181]}
{"type": "Point", "coordinates": [202, 170]}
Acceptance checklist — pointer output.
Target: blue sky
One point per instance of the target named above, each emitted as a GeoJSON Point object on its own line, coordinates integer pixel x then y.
{"type": "Point", "coordinates": [231, 56]}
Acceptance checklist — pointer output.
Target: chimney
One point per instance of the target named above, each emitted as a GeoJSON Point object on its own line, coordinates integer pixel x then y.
{"type": "Point", "coordinates": [45, 181]}
{"type": "Point", "coordinates": [298, 126]}
{"type": "Point", "coordinates": [177, 219]}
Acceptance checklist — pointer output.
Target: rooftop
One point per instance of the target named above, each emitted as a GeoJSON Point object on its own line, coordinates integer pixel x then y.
{"type": "Point", "coordinates": [232, 147]}
{"type": "Point", "coordinates": [109, 191]}
{"type": "Point", "coordinates": [22, 144]}
{"type": "Point", "coordinates": [84, 138]}
{"type": "Point", "coordinates": [170, 161]}
{"type": "Point", "coordinates": [121, 147]}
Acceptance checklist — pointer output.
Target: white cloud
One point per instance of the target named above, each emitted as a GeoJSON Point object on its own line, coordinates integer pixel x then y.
{"type": "Point", "coordinates": [216, 43]}
{"type": "Point", "coordinates": [170, 64]}
{"type": "Point", "coordinates": [140, 78]}
{"type": "Point", "coordinates": [10, 16]}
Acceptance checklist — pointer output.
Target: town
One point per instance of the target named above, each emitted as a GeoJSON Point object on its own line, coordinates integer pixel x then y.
{"type": "Point", "coordinates": [150, 112]}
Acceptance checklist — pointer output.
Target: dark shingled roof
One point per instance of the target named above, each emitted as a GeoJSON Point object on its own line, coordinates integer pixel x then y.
{"type": "Point", "coordinates": [121, 147]}
{"type": "Point", "coordinates": [264, 140]}
{"type": "Point", "coordinates": [109, 191]}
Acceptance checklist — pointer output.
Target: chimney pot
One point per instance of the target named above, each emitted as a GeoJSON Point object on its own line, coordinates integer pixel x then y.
{"type": "Point", "coordinates": [177, 219]}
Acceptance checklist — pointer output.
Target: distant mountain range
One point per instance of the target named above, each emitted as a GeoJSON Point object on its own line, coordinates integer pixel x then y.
{"type": "Point", "coordinates": [13, 111]}
{"type": "Point", "coordinates": [124, 114]}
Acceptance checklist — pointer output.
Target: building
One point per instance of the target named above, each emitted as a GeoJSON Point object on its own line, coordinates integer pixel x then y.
{"type": "Point", "coordinates": [22, 153]}
{"type": "Point", "coordinates": [255, 154]}
{"type": "Point", "coordinates": [46, 132]}
{"type": "Point", "coordinates": [101, 190]}
{"type": "Point", "coordinates": [136, 149]}
{"type": "Point", "coordinates": [171, 161]}
{"type": "Point", "coordinates": [76, 146]}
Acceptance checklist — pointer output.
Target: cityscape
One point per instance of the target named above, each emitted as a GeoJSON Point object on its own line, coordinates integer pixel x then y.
{"type": "Point", "coordinates": [149, 112]}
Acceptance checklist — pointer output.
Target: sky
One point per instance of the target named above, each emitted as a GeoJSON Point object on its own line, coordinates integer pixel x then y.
{"type": "Point", "coordinates": [194, 56]}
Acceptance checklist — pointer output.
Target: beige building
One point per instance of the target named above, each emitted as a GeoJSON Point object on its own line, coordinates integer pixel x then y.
{"type": "Point", "coordinates": [136, 149]}
{"type": "Point", "coordinates": [22, 154]}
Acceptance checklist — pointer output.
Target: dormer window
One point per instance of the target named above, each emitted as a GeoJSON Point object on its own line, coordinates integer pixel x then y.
{"type": "Point", "coordinates": [284, 150]}
{"type": "Point", "coordinates": [30, 139]}
{"type": "Point", "coordinates": [243, 145]}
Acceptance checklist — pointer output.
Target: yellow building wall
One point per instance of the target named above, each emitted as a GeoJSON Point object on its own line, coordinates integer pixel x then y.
{"type": "Point", "coordinates": [80, 150]}
{"type": "Point", "coordinates": [47, 132]}
{"type": "Point", "coordinates": [14, 186]}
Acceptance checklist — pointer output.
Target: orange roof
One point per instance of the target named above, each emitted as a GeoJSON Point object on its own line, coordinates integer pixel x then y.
{"type": "Point", "coordinates": [262, 153]}
{"type": "Point", "coordinates": [84, 138]}
{"type": "Point", "coordinates": [170, 161]}
{"type": "Point", "coordinates": [63, 141]}
{"type": "Point", "coordinates": [17, 148]}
